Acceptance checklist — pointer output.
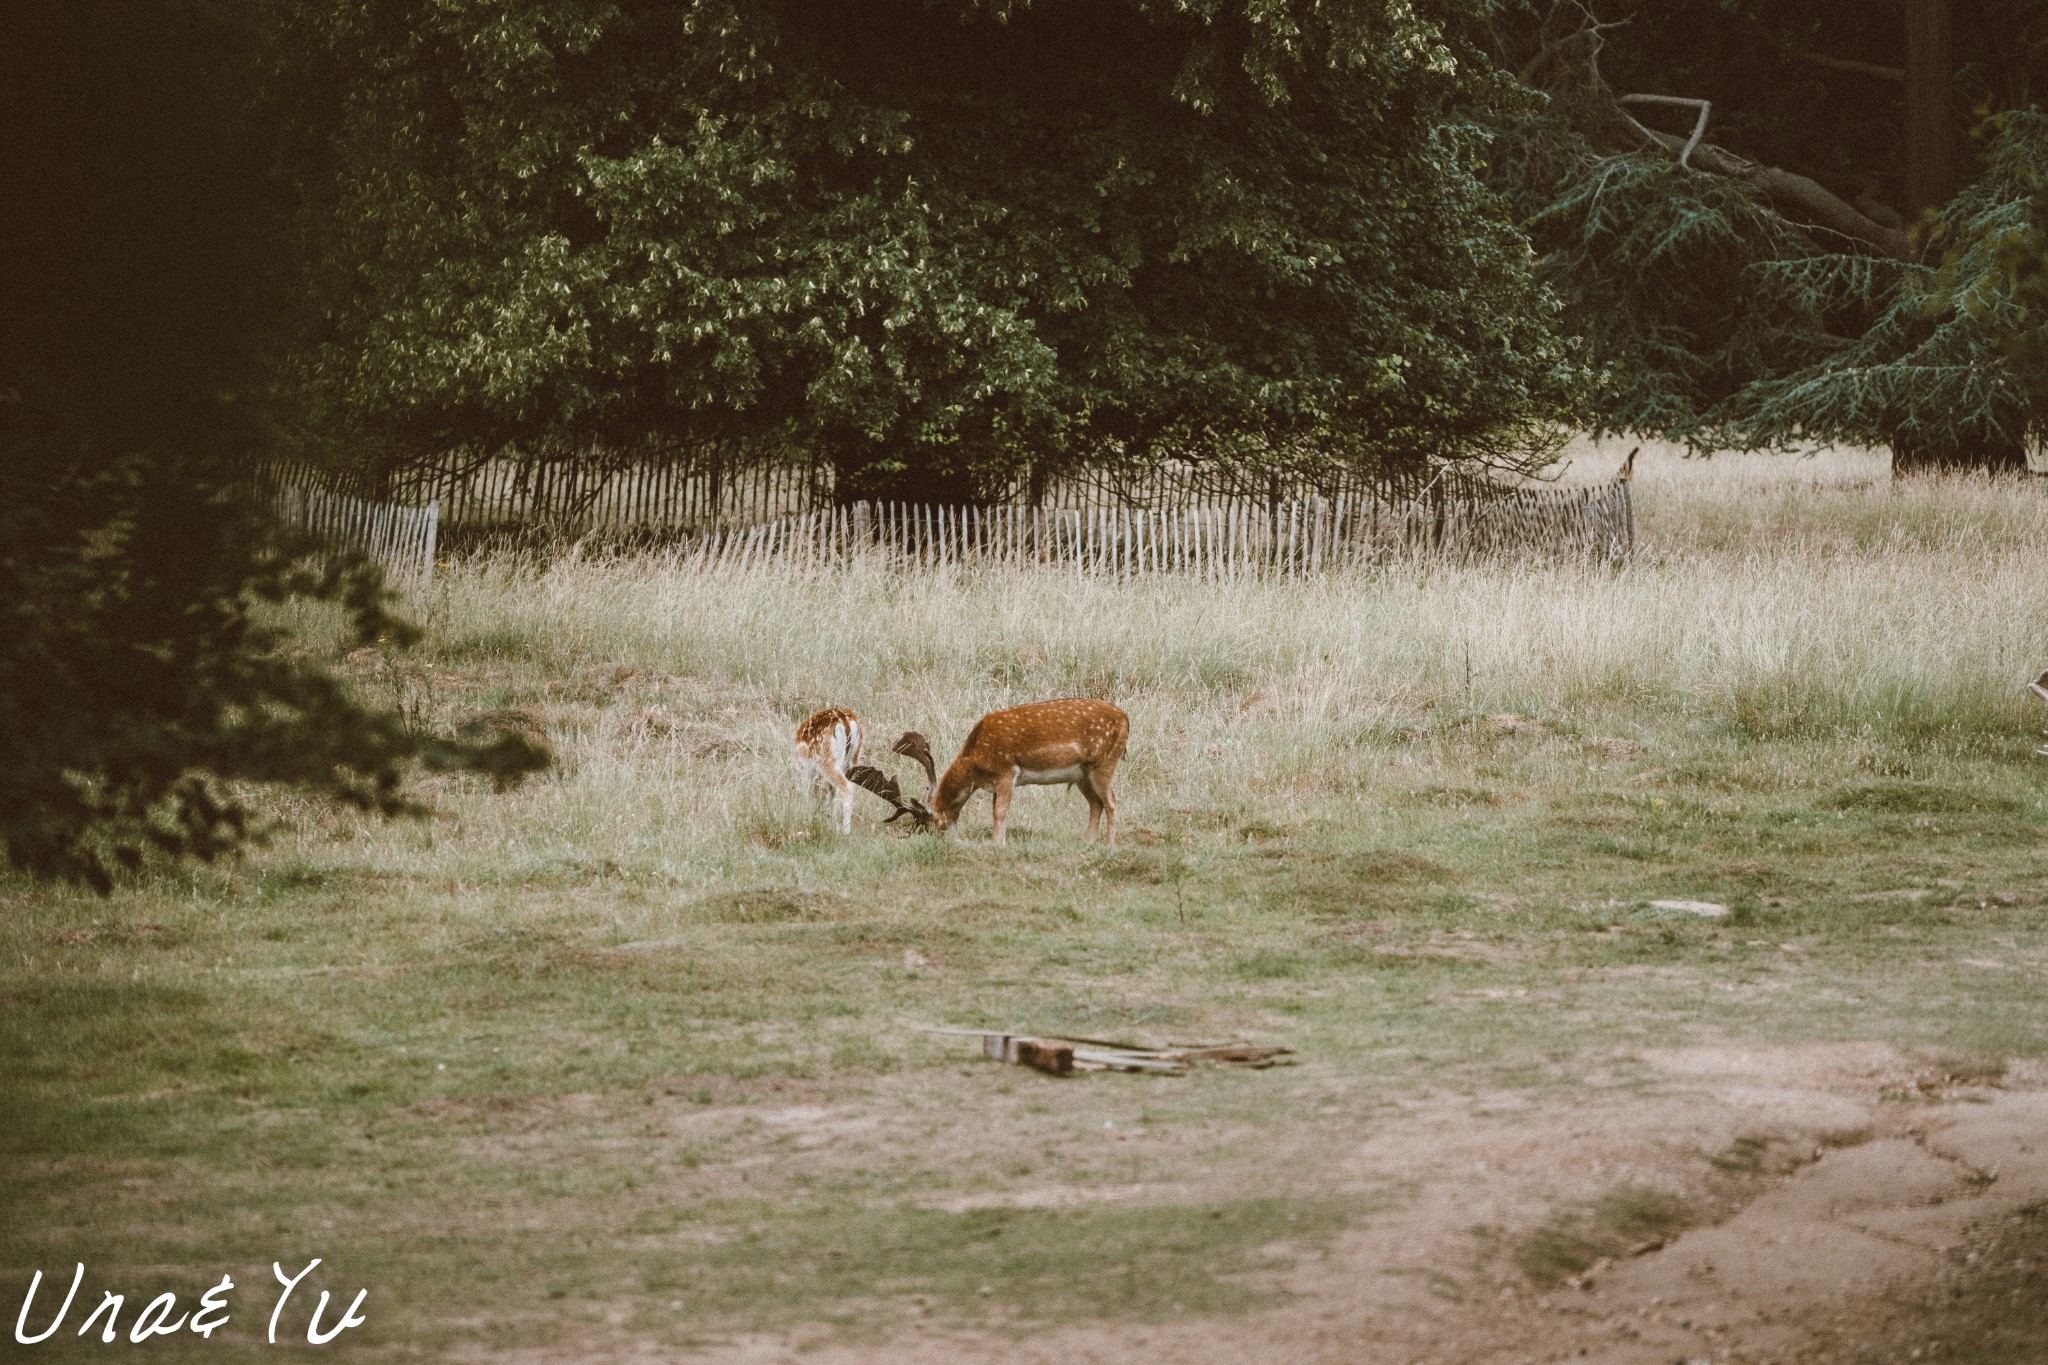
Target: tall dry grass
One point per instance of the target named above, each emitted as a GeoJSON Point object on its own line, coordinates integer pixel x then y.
{"type": "Point", "coordinates": [1769, 593]}
{"type": "Point", "coordinates": [1772, 598]}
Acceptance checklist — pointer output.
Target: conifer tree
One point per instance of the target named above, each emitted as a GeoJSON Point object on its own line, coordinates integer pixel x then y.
{"type": "Point", "coordinates": [1760, 286]}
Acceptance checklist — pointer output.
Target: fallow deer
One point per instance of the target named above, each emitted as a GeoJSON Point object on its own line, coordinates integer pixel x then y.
{"type": "Point", "coordinates": [1071, 742]}
{"type": "Point", "coordinates": [827, 746]}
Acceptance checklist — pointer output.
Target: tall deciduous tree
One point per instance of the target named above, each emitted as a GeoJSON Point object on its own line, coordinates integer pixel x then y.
{"type": "Point", "coordinates": [934, 239]}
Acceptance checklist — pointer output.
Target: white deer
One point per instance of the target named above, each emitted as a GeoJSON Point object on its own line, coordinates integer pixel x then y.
{"type": "Point", "coordinates": [827, 746]}
{"type": "Point", "coordinates": [1070, 742]}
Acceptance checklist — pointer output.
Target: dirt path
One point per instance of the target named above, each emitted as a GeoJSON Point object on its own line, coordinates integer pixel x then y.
{"type": "Point", "coordinates": [1845, 1203]}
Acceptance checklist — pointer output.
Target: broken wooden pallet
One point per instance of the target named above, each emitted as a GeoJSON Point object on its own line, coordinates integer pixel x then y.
{"type": "Point", "coordinates": [1057, 1054]}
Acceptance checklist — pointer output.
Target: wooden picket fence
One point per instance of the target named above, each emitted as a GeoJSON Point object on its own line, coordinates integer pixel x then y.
{"type": "Point", "coordinates": [1247, 531]}
{"type": "Point", "coordinates": [401, 539]}
{"type": "Point", "coordinates": [687, 492]}
{"type": "Point", "coordinates": [1227, 543]}
{"type": "Point", "coordinates": [661, 494]}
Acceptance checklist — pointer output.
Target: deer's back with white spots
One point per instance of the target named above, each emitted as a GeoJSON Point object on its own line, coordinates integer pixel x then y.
{"type": "Point", "coordinates": [1074, 741]}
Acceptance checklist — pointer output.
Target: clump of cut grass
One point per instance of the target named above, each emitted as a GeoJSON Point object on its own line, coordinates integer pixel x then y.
{"type": "Point", "coordinates": [1573, 1240]}
{"type": "Point", "coordinates": [1750, 1154]}
{"type": "Point", "coordinates": [1966, 1067]}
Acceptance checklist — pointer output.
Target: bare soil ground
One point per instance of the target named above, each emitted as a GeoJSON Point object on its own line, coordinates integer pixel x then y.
{"type": "Point", "coordinates": [1847, 1202]}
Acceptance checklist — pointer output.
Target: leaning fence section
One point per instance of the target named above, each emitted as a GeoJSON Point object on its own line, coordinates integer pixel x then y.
{"type": "Point", "coordinates": [1595, 522]}
{"type": "Point", "coordinates": [678, 493]}
{"type": "Point", "coordinates": [1227, 543]}
{"type": "Point", "coordinates": [664, 493]}
{"type": "Point", "coordinates": [400, 538]}
{"type": "Point", "coordinates": [1229, 524]}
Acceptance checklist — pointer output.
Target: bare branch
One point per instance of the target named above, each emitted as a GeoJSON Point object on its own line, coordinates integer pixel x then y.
{"type": "Point", "coordinates": [1587, 33]}
{"type": "Point", "coordinates": [1699, 127]}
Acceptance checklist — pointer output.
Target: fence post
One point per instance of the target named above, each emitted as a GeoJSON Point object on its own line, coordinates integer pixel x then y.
{"type": "Point", "coordinates": [402, 539]}
{"type": "Point", "coordinates": [1628, 516]}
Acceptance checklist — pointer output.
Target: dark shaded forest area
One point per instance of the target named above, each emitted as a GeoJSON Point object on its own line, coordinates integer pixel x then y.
{"type": "Point", "coordinates": [1832, 260]}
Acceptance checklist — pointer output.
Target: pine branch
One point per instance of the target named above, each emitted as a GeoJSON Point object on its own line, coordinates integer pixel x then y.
{"type": "Point", "coordinates": [1791, 194]}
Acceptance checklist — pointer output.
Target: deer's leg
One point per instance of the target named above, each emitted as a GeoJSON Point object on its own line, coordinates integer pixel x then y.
{"type": "Point", "coordinates": [1004, 786]}
{"type": "Point", "coordinates": [1087, 786]}
{"type": "Point", "coordinates": [845, 790]}
{"type": "Point", "coordinates": [1102, 790]}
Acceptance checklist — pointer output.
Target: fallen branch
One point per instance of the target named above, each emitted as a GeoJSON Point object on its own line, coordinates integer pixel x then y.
{"type": "Point", "coordinates": [1567, 63]}
{"type": "Point", "coordinates": [1699, 127]}
{"type": "Point", "coordinates": [1793, 196]}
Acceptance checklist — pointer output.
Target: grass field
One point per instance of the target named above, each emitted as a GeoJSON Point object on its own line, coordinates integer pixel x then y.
{"type": "Point", "coordinates": [632, 1050]}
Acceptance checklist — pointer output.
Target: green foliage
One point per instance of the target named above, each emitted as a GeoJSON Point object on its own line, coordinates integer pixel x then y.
{"type": "Point", "coordinates": [136, 683]}
{"type": "Point", "coordinates": [942, 237]}
{"type": "Point", "coordinates": [1716, 319]}
{"type": "Point", "coordinates": [2022, 257]}
{"type": "Point", "coordinates": [1934, 368]}
{"type": "Point", "coordinates": [133, 681]}
{"type": "Point", "coordinates": [1659, 266]}
{"type": "Point", "coordinates": [1656, 262]}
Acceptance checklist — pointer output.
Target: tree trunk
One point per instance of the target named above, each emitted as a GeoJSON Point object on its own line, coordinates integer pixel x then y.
{"type": "Point", "coordinates": [1930, 125]}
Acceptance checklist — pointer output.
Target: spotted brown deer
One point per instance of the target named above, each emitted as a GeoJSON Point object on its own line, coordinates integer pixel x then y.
{"type": "Point", "coordinates": [1070, 742]}
{"type": "Point", "coordinates": [827, 748]}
